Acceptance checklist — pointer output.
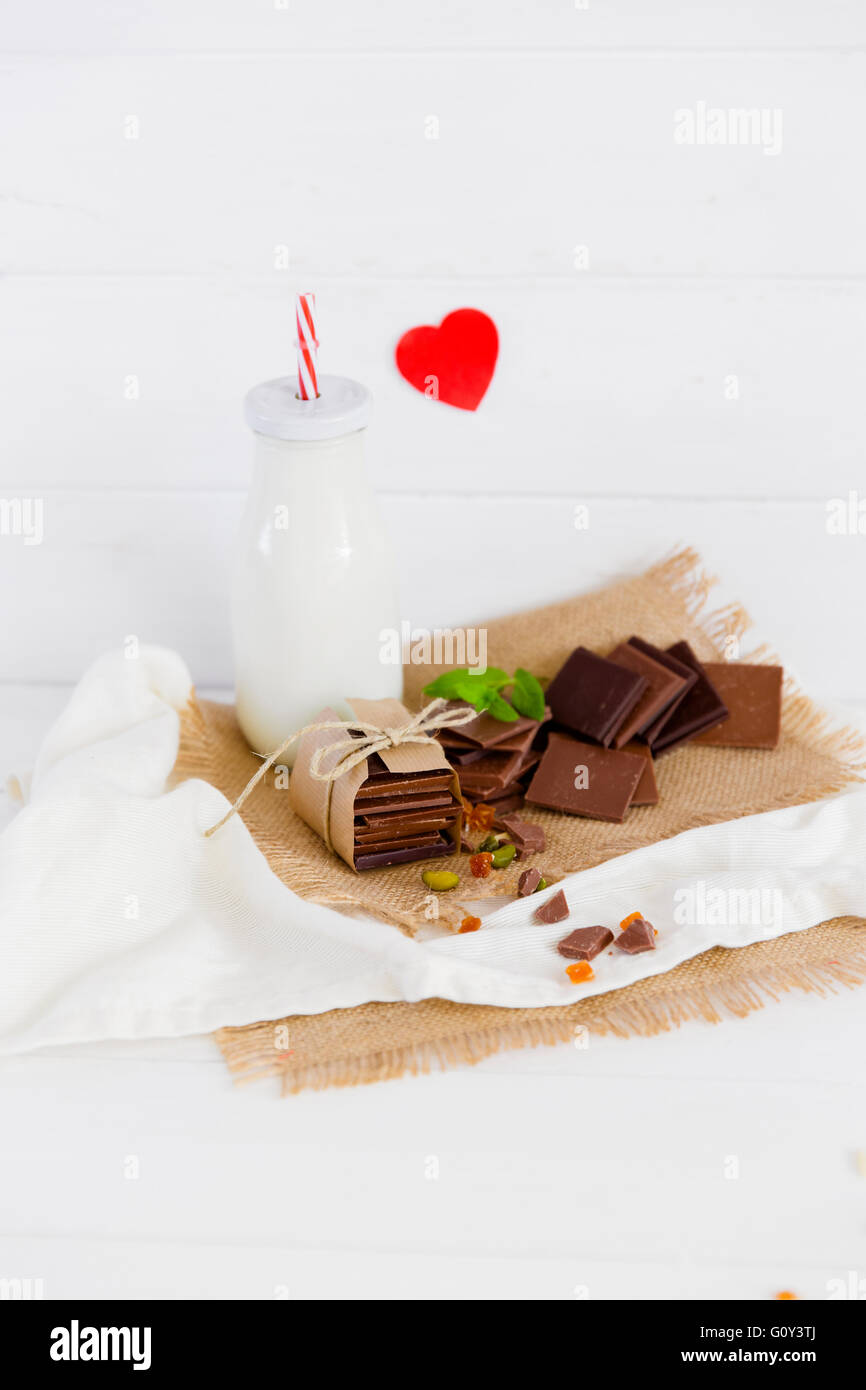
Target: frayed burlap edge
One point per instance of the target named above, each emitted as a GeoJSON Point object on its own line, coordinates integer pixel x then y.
{"type": "Point", "coordinates": [717, 985]}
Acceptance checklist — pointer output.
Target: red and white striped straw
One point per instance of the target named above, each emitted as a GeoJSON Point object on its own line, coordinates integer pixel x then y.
{"type": "Point", "coordinates": [308, 346]}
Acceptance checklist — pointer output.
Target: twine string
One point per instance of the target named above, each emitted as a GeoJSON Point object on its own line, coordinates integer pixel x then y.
{"type": "Point", "coordinates": [349, 752]}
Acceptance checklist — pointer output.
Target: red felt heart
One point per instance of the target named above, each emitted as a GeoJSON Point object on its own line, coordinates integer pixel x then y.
{"type": "Point", "coordinates": [454, 362]}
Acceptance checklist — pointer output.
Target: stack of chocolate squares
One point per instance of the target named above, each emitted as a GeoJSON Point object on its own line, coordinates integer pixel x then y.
{"type": "Point", "coordinates": [624, 709]}
{"type": "Point", "coordinates": [404, 816]}
{"type": "Point", "coordinates": [493, 759]}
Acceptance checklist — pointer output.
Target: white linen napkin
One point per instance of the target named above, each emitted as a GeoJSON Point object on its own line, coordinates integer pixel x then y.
{"type": "Point", "coordinates": [118, 919]}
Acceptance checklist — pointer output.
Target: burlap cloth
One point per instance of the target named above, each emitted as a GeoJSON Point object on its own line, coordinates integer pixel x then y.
{"type": "Point", "coordinates": [698, 786]}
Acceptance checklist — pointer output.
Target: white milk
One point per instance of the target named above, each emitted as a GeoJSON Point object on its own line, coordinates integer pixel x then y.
{"type": "Point", "coordinates": [313, 584]}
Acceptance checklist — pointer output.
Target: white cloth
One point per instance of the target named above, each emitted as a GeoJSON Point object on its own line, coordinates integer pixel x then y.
{"type": "Point", "coordinates": [118, 919]}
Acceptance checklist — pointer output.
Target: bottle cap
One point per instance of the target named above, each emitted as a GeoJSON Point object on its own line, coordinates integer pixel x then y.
{"type": "Point", "coordinates": [275, 408]}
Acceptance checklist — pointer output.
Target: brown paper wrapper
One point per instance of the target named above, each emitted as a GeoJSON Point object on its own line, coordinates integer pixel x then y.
{"type": "Point", "coordinates": [329, 807]}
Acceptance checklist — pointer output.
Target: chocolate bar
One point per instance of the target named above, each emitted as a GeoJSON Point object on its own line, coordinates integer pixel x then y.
{"type": "Point", "coordinates": [585, 780]}
{"type": "Point", "coordinates": [753, 695]}
{"type": "Point", "coordinates": [592, 697]}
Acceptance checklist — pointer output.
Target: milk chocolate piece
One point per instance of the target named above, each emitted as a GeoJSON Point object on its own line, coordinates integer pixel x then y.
{"type": "Point", "coordinates": [554, 910]}
{"type": "Point", "coordinates": [528, 837]}
{"type": "Point", "coordinates": [585, 943]}
{"type": "Point", "coordinates": [753, 695]}
{"type": "Point", "coordinates": [685, 673]}
{"type": "Point", "coordinates": [414, 783]}
{"type": "Point", "coordinates": [528, 882]}
{"type": "Point", "coordinates": [637, 937]}
{"type": "Point", "coordinates": [383, 804]}
{"type": "Point", "coordinates": [585, 780]}
{"type": "Point", "coordinates": [377, 843]}
{"type": "Point", "coordinates": [592, 696]}
{"type": "Point", "coordinates": [701, 708]}
{"type": "Point", "coordinates": [646, 792]}
{"type": "Point", "coordinates": [663, 685]}
{"type": "Point", "coordinates": [484, 730]}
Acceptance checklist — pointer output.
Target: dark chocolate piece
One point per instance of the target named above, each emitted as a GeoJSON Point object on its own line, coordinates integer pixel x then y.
{"type": "Point", "coordinates": [592, 696]}
{"type": "Point", "coordinates": [638, 936]}
{"type": "Point", "coordinates": [663, 685]}
{"type": "Point", "coordinates": [528, 837]}
{"type": "Point", "coordinates": [554, 910]}
{"type": "Point", "coordinates": [374, 844]}
{"type": "Point", "coordinates": [585, 780]}
{"type": "Point", "coordinates": [382, 858]}
{"type": "Point", "coordinates": [701, 708]}
{"type": "Point", "coordinates": [753, 695]}
{"type": "Point", "coordinates": [685, 673]}
{"type": "Point", "coordinates": [585, 943]}
{"type": "Point", "coordinates": [528, 882]}
{"type": "Point", "coordinates": [646, 791]}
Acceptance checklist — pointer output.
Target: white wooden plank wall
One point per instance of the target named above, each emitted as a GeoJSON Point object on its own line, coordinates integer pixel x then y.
{"type": "Point", "coordinates": [682, 326]}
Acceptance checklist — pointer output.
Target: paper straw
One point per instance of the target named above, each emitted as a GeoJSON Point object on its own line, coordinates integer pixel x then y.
{"type": "Point", "coordinates": [307, 345]}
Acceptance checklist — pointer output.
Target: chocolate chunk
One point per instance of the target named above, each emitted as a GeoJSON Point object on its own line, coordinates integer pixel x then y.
{"type": "Point", "coordinates": [637, 937]}
{"type": "Point", "coordinates": [592, 696]}
{"type": "Point", "coordinates": [646, 792]}
{"type": "Point", "coordinates": [753, 695]}
{"type": "Point", "coordinates": [585, 943]}
{"type": "Point", "coordinates": [701, 708]}
{"type": "Point", "coordinates": [585, 780]}
{"type": "Point", "coordinates": [554, 910]}
{"type": "Point", "coordinates": [684, 672]}
{"type": "Point", "coordinates": [528, 882]}
{"type": "Point", "coordinates": [663, 685]}
{"type": "Point", "coordinates": [528, 837]}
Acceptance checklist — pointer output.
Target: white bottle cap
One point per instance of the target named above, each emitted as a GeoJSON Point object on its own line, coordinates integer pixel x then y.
{"type": "Point", "coordinates": [275, 408]}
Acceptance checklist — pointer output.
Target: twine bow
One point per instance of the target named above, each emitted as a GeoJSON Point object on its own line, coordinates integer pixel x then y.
{"type": "Point", "coordinates": [352, 751]}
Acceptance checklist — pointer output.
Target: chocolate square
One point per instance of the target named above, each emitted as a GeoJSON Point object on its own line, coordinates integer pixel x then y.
{"type": "Point", "coordinates": [612, 778]}
{"type": "Point", "coordinates": [663, 685]}
{"type": "Point", "coordinates": [592, 696]}
{"type": "Point", "coordinates": [701, 708]}
{"type": "Point", "coordinates": [753, 695]}
{"type": "Point", "coordinates": [686, 674]}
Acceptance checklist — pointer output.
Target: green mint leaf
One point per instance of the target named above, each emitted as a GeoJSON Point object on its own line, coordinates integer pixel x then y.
{"type": "Point", "coordinates": [499, 708]}
{"type": "Point", "coordinates": [527, 695]}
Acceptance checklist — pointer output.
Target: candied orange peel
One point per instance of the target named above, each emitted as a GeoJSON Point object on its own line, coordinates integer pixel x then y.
{"type": "Point", "coordinates": [469, 924]}
{"type": "Point", "coordinates": [580, 971]}
{"type": "Point", "coordinates": [627, 921]}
